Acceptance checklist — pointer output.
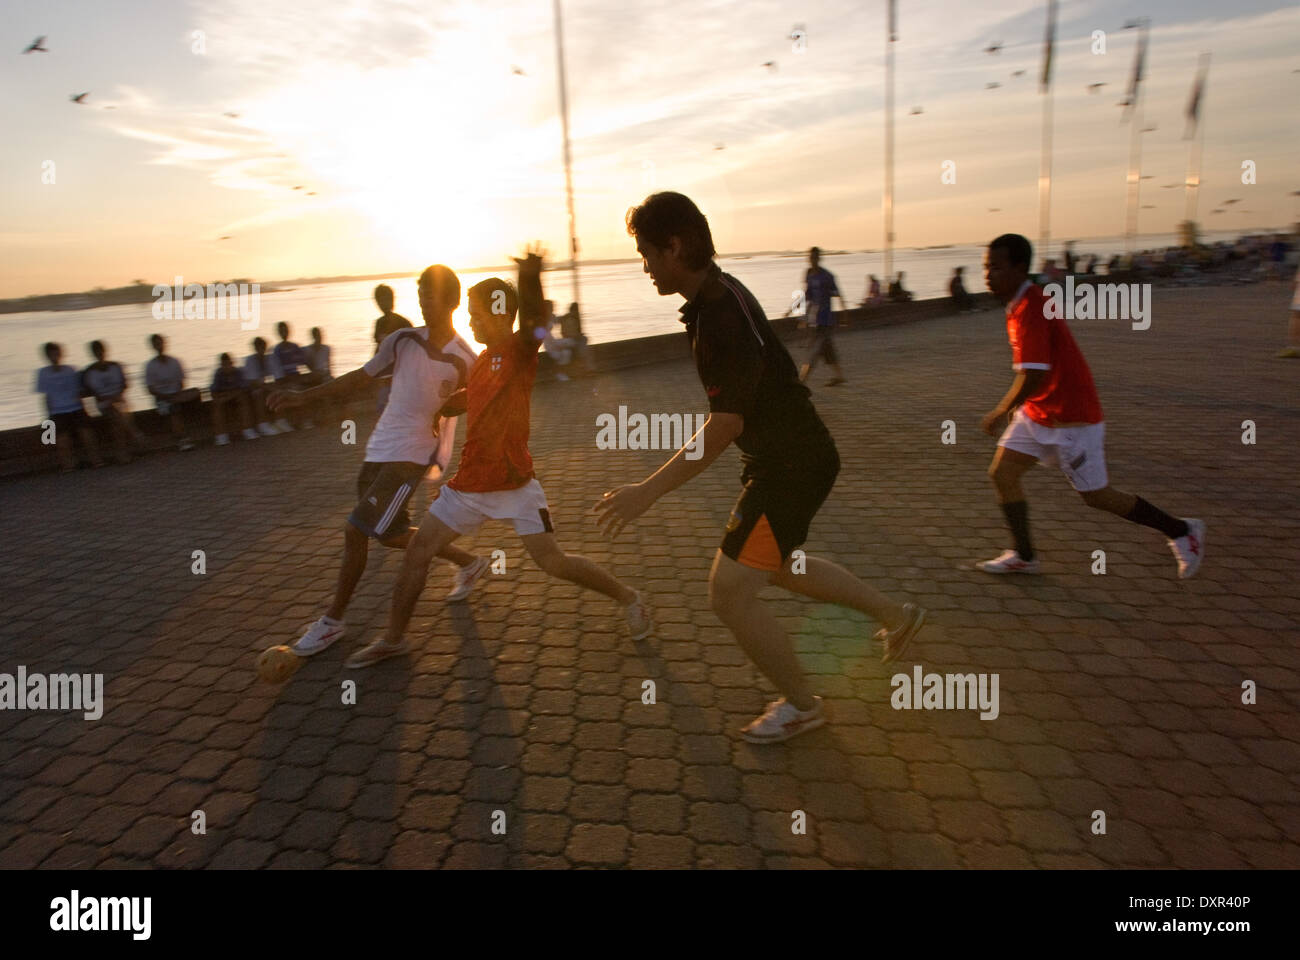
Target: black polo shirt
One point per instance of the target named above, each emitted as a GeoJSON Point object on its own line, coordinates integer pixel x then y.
{"type": "Point", "coordinates": [746, 369]}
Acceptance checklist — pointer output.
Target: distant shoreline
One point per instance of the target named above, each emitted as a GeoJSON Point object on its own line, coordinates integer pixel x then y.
{"type": "Point", "coordinates": [143, 292]}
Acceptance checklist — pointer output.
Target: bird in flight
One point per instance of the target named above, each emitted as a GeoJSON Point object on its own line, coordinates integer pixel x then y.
{"type": "Point", "coordinates": [227, 237]}
{"type": "Point", "coordinates": [1095, 87]}
{"type": "Point", "coordinates": [770, 64]}
{"type": "Point", "coordinates": [719, 146]}
{"type": "Point", "coordinates": [1019, 73]}
{"type": "Point", "coordinates": [80, 97]}
{"type": "Point", "coordinates": [37, 46]}
{"type": "Point", "coordinates": [311, 193]}
{"type": "Point", "coordinates": [992, 85]}
{"type": "Point", "coordinates": [299, 187]}
{"type": "Point", "coordinates": [916, 112]}
{"type": "Point", "coordinates": [231, 114]}
{"type": "Point", "coordinates": [1228, 203]}
{"type": "Point", "coordinates": [517, 71]}
{"type": "Point", "coordinates": [995, 209]}
{"type": "Point", "coordinates": [993, 47]}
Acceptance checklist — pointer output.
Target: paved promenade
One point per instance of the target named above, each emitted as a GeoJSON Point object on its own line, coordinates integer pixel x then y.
{"type": "Point", "coordinates": [1119, 692]}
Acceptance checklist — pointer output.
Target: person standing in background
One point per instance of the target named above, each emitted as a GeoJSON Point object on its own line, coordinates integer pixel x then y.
{"type": "Point", "coordinates": [387, 323]}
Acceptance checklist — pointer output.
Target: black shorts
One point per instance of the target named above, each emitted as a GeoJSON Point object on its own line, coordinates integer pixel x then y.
{"type": "Point", "coordinates": [69, 422]}
{"type": "Point", "coordinates": [824, 345]}
{"type": "Point", "coordinates": [383, 490]}
{"type": "Point", "coordinates": [775, 509]}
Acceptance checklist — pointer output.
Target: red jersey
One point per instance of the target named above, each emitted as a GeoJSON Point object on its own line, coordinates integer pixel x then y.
{"type": "Point", "coordinates": [499, 394]}
{"type": "Point", "coordinates": [1039, 342]}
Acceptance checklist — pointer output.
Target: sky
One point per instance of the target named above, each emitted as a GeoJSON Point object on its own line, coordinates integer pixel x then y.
{"type": "Point", "coordinates": [421, 132]}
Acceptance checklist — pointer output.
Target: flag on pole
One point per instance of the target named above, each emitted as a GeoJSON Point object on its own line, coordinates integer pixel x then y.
{"type": "Point", "coordinates": [1049, 41]}
{"type": "Point", "coordinates": [1135, 80]}
{"type": "Point", "coordinates": [893, 19]}
{"type": "Point", "coordinates": [1198, 91]}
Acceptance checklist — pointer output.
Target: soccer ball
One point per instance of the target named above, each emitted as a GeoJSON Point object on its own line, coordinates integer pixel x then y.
{"type": "Point", "coordinates": [277, 664]}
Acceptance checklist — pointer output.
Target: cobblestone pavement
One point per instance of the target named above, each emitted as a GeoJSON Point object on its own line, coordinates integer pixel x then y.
{"type": "Point", "coordinates": [1120, 693]}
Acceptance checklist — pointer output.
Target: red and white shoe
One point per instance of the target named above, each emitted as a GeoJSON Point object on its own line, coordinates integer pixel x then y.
{"type": "Point", "coordinates": [1189, 549]}
{"type": "Point", "coordinates": [319, 636]}
{"type": "Point", "coordinates": [1008, 562]}
{"type": "Point", "coordinates": [782, 720]}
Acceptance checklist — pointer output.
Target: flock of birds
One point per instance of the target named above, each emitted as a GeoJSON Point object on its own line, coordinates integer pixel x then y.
{"type": "Point", "coordinates": [38, 46]}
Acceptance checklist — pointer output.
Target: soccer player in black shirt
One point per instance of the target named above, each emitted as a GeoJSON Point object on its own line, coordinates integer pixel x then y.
{"type": "Point", "coordinates": [757, 402]}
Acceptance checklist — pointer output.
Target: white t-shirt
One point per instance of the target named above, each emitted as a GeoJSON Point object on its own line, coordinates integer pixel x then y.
{"type": "Point", "coordinates": [423, 378]}
{"type": "Point", "coordinates": [257, 369]}
{"type": "Point", "coordinates": [164, 374]}
{"type": "Point", "coordinates": [104, 383]}
{"type": "Point", "coordinates": [62, 388]}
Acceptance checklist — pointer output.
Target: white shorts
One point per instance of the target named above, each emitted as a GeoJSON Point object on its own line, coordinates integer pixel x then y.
{"type": "Point", "coordinates": [464, 512]}
{"type": "Point", "coordinates": [1080, 452]}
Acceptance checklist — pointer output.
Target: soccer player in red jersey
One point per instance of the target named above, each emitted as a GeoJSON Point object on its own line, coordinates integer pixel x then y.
{"type": "Point", "coordinates": [495, 479]}
{"type": "Point", "coordinates": [1057, 420]}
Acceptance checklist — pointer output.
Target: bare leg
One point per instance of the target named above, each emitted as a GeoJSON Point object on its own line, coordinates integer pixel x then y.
{"type": "Point", "coordinates": [63, 450]}
{"type": "Point", "coordinates": [1006, 470]}
{"type": "Point", "coordinates": [356, 547]}
{"type": "Point", "coordinates": [1111, 500]}
{"type": "Point", "coordinates": [831, 583]}
{"type": "Point", "coordinates": [432, 537]}
{"type": "Point", "coordinates": [733, 591]}
{"type": "Point", "coordinates": [548, 554]}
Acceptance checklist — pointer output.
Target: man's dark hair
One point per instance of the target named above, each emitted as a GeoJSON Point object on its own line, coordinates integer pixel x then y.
{"type": "Point", "coordinates": [258, 342]}
{"type": "Point", "coordinates": [815, 252]}
{"type": "Point", "coordinates": [665, 215]}
{"type": "Point", "coordinates": [49, 348]}
{"type": "Point", "coordinates": [155, 340]}
{"type": "Point", "coordinates": [483, 293]}
{"type": "Point", "coordinates": [383, 293]}
{"type": "Point", "coordinates": [282, 329]}
{"type": "Point", "coordinates": [221, 360]}
{"type": "Point", "coordinates": [97, 347]}
{"type": "Point", "coordinates": [1020, 252]}
{"type": "Point", "coordinates": [443, 283]}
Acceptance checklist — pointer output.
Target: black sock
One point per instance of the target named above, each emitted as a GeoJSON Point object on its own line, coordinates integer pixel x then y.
{"type": "Point", "coordinates": [1157, 519]}
{"type": "Point", "coordinates": [1017, 515]}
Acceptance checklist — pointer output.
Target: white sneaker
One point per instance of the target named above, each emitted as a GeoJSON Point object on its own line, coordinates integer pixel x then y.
{"type": "Point", "coordinates": [782, 721]}
{"type": "Point", "coordinates": [897, 641]}
{"type": "Point", "coordinates": [375, 652]}
{"type": "Point", "coordinates": [223, 439]}
{"type": "Point", "coordinates": [319, 636]}
{"type": "Point", "coordinates": [249, 433]}
{"type": "Point", "coordinates": [283, 425]}
{"type": "Point", "coordinates": [637, 613]}
{"type": "Point", "coordinates": [1189, 549]}
{"type": "Point", "coordinates": [466, 577]}
{"type": "Point", "coordinates": [266, 430]}
{"type": "Point", "coordinates": [1008, 562]}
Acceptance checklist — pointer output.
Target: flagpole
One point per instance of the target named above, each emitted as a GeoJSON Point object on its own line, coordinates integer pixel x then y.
{"type": "Point", "coordinates": [1135, 142]}
{"type": "Point", "coordinates": [889, 144]}
{"type": "Point", "coordinates": [1193, 185]}
{"type": "Point", "coordinates": [568, 163]}
{"type": "Point", "coordinates": [1045, 157]}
